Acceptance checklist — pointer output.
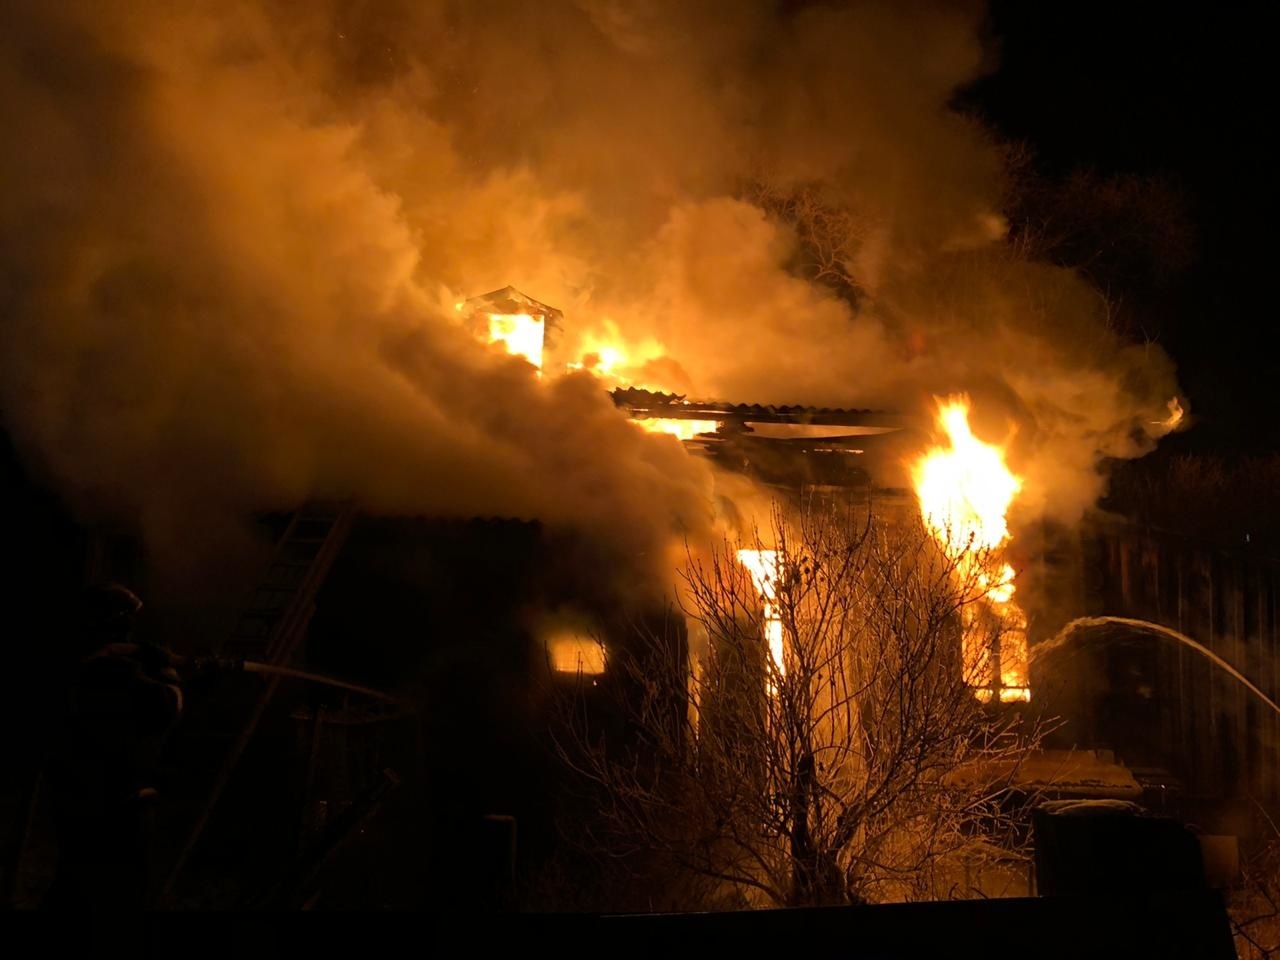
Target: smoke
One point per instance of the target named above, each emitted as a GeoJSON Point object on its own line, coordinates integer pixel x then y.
{"type": "Point", "coordinates": [234, 234]}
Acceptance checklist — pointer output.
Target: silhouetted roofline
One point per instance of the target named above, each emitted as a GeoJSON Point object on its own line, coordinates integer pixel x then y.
{"type": "Point", "coordinates": [510, 300]}
{"type": "Point", "coordinates": [678, 407]}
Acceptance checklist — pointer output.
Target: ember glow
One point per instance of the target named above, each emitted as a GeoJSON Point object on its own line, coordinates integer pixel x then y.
{"type": "Point", "coordinates": [965, 490]}
{"type": "Point", "coordinates": [762, 565]}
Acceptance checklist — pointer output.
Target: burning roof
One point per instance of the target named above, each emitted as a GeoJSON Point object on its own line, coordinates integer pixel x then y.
{"type": "Point", "coordinates": [522, 324]}
{"type": "Point", "coordinates": [511, 300]}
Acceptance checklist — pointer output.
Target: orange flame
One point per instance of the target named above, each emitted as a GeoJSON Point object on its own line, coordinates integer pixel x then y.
{"type": "Point", "coordinates": [965, 490]}
{"type": "Point", "coordinates": [607, 354]}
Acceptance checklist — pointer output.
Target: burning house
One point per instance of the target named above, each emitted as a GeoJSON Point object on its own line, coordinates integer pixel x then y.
{"type": "Point", "coordinates": [474, 623]}
{"type": "Point", "coordinates": [525, 327]}
{"type": "Point", "coordinates": [476, 503]}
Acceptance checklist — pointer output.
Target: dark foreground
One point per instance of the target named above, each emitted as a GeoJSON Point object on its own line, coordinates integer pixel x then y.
{"type": "Point", "coordinates": [1191, 925]}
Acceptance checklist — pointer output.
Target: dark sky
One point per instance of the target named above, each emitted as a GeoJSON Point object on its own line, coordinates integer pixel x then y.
{"type": "Point", "coordinates": [1183, 93]}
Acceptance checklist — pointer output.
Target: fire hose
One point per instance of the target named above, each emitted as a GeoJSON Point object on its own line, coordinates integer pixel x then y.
{"type": "Point", "coordinates": [207, 665]}
{"type": "Point", "coordinates": [211, 666]}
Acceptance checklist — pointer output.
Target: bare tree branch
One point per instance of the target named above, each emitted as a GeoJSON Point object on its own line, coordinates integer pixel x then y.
{"type": "Point", "coordinates": [858, 766]}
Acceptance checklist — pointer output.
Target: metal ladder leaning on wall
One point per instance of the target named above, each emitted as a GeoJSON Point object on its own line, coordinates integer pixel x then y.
{"type": "Point", "coordinates": [271, 627]}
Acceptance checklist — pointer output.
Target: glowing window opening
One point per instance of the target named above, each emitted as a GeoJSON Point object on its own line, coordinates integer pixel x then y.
{"type": "Point", "coordinates": [573, 653]}
{"type": "Point", "coordinates": [762, 565]}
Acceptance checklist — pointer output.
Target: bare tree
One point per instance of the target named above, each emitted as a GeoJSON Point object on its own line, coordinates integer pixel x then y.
{"type": "Point", "coordinates": [829, 749]}
{"type": "Point", "coordinates": [1254, 900]}
{"type": "Point", "coordinates": [829, 236]}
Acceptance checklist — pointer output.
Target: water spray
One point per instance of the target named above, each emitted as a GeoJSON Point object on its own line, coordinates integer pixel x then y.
{"type": "Point", "coordinates": [1082, 623]}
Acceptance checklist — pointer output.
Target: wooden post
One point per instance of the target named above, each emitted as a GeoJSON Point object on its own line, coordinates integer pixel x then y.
{"type": "Point", "coordinates": [1272, 632]}
{"type": "Point", "coordinates": [313, 759]}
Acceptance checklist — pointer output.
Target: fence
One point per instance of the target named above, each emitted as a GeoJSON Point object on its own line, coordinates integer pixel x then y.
{"type": "Point", "coordinates": [1219, 738]}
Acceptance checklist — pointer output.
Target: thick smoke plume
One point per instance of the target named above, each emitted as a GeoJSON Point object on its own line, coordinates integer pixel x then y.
{"type": "Point", "coordinates": [232, 235]}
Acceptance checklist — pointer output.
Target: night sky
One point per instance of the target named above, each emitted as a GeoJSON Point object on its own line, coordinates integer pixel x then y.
{"type": "Point", "coordinates": [1182, 92]}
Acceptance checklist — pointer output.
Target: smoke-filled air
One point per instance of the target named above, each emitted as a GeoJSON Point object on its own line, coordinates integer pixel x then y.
{"type": "Point", "coordinates": [234, 236]}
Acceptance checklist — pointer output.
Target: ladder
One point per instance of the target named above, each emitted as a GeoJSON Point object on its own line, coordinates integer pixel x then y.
{"type": "Point", "coordinates": [277, 614]}
{"type": "Point", "coordinates": [271, 626]}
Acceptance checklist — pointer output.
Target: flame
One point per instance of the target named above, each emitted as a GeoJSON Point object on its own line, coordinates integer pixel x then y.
{"type": "Point", "coordinates": [609, 357]}
{"type": "Point", "coordinates": [762, 565]}
{"type": "Point", "coordinates": [965, 490]}
{"type": "Point", "coordinates": [607, 354]}
{"type": "Point", "coordinates": [680, 429]}
{"type": "Point", "coordinates": [520, 333]}
{"type": "Point", "coordinates": [576, 653]}
{"type": "Point", "coordinates": [604, 362]}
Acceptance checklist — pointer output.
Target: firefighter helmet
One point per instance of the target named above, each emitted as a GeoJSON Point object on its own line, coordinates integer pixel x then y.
{"type": "Point", "coordinates": [109, 608]}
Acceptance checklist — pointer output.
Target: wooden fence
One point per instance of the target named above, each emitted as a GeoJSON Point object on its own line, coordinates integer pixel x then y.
{"type": "Point", "coordinates": [1216, 735]}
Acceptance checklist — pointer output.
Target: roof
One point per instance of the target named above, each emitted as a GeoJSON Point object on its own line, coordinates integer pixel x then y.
{"type": "Point", "coordinates": [511, 300]}
{"type": "Point", "coordinates": [676, 406]}
{"type": "Point", "coordinates": [1062, 774]}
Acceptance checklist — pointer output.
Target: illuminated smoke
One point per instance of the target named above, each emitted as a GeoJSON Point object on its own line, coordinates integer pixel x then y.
{"type": "Point", "coordinates": [235, 234]}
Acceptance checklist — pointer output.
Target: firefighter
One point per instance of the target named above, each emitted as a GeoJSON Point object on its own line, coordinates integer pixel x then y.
{"type": "Point", "coordinates": [102, 776]}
